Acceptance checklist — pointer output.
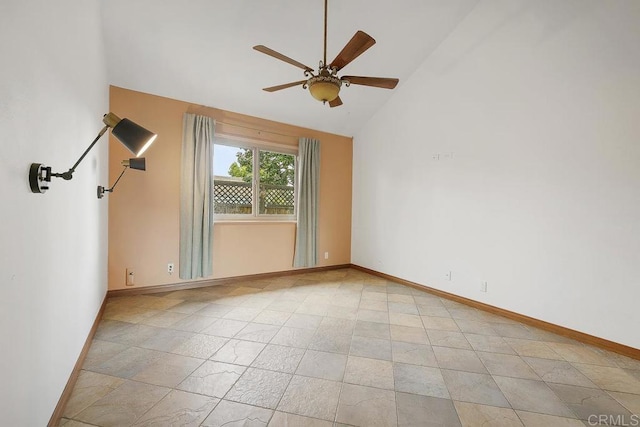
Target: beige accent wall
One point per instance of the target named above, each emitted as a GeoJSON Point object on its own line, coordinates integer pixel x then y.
{"type": "Point", "coordinates": [144, 211]}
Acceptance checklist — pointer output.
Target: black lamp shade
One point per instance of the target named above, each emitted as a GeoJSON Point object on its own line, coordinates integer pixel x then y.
{"type": "Point", "coordinates": [136, 138]}
{"type": "Point", "coordinates": [138, 163]}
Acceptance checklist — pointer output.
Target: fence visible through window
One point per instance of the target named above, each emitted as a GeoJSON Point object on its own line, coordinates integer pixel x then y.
{"type": "Point", "coordinates": [235, 197]}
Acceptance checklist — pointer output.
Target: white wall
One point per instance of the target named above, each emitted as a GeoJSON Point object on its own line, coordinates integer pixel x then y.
{"type": "Point", "coordinates": [53, 246]}
{"type": "Point", "coordinates": [538, 102]}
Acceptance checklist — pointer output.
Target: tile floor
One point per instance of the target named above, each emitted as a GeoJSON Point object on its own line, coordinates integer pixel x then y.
{"type": "Point", "coordinates": [338, 348]}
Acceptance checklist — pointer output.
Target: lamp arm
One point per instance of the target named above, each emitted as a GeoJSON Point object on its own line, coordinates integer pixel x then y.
{"type": "Point", "coordinates": [116, 183]}
{"type": "Point", "coordinates": [69, 174]}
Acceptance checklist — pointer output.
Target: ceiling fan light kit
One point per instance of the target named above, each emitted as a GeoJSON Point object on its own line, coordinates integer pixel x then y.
{"type": "Point", "coordinates": [325, 84]}
{"type": "Point", "coordinates": [324, 87]}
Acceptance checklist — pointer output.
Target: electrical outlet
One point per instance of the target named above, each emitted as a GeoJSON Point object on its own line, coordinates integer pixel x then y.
{"type": "Point", "coordinates": [449, 276]}
{"type": "Point", "coordinates": [326, 255]}
{"type": "Point", "coordinates": [129, 277]}
{"type": "Point", "coordinates": [170, 268]}
{"type": "Point", "coordinates": [483, 287]}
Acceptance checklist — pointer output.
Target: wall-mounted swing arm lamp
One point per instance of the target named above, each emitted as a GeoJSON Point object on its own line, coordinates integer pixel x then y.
{"type": "Point", "coordinates": [133, 136]}
{"type": "Point", "coordinates": [138, 164]}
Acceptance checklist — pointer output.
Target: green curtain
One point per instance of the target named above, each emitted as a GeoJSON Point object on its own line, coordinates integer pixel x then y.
{"type": "Point", "coordinates": [196, 197]}
{"type": "Point", "coordinates": [306, 251]}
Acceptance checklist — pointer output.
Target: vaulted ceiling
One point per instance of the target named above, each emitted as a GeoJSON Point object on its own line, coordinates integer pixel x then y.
{"type": "Point", "coordinates": [200, 51]}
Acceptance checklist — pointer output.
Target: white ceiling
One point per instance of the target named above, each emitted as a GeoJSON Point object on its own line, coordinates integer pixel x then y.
{"type": "Point", "coordinates": [200, 51]}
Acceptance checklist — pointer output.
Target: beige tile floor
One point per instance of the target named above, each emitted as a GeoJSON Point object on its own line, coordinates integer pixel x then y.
{"type": "Point", "coordinates": [338, 348]}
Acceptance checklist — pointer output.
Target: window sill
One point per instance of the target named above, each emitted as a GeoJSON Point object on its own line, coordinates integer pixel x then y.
{"type": "Point", "coordinates": [254, 221]}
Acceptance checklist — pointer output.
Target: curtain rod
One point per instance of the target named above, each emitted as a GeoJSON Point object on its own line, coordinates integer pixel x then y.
{"type": "Point", "coordinates": [257, 130]}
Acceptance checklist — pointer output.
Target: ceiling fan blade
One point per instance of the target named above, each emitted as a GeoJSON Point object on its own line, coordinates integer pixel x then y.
{"type": "Point", "coordinates": [284, 86]}
{"type": "Point", "coordinates": [335, 103]}
{"type": "Point", "coordinates": [382, 82]}
{"type": "Point", "coordinates": [278, 55]}
{"type": "Point", "coordinates": [358, 44]}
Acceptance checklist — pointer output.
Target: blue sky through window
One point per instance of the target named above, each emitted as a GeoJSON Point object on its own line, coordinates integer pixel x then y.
{"type": "Point", "coordinates": [223, 157]}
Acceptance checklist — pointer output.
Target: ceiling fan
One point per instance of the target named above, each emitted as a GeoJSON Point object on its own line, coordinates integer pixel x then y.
{"type": "Point", "coordinates": [325, 84]}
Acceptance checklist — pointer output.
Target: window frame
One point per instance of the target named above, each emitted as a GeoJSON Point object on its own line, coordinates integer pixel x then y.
{"type": "Point", "coordinates": [256, 147]}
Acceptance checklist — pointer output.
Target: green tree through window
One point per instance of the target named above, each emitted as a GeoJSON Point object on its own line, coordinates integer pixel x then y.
{"type": "Point", "coordinates": [275, 168]}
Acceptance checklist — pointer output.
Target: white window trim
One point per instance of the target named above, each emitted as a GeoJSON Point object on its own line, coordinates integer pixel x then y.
{"type": "Point", "coordinates": [256, 146]}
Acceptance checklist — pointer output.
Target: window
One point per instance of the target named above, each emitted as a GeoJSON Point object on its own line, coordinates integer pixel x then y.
{"type": "Point", "coordinates": [240, 193]}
